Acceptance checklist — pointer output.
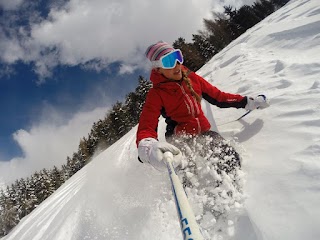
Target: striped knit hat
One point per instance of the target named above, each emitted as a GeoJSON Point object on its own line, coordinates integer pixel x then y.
{"type": "Point", "coordinates": [156, 51]}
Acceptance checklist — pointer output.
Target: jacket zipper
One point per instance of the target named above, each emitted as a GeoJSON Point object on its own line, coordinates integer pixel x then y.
{"type": "Point", "coordinates": [193, 107]}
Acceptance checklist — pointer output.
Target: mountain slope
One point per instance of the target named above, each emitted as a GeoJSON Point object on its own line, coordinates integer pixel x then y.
{"type": "Point", "coordinates": [116, 197]}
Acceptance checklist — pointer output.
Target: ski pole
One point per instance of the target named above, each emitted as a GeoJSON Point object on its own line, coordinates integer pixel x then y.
{"type": "Point", "coordinates": [189, 227]}
{"type": "Point", "coordinates": [242, 116]}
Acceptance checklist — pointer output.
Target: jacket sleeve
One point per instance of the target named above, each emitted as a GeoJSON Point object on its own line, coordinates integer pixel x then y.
{"type": "Point", "coordinates": [221, 99]}
{"type": "Point", "coordinates": [149, 118]}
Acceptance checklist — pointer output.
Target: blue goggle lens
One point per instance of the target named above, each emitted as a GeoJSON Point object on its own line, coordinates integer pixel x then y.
{"type": "Point", "coordinates": [170, 60]}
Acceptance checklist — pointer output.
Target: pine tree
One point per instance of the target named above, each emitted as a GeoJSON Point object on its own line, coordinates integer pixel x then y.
{"type": "Point", "coordinates": [27, 199]}
{"type": "Point", "coordinates": [279, 3]}
{"type": "Point", "coordinates": [85, 151]}
{"type": "Point", "coordinates": [78, 161]}
{"type": "Point", "coordinates": [65, 171]}
{"type": "Point", "coordinates": [203, 46]}
{"type": "Point", "coordinates": [56, 179]}
{"type": "Point", "coordinates": [43, 186]}
{"type": "Point", "coordinates": [97, 138]}
{"type": "Point", "coordinates": [192, 58]}
{"type": "Point", "coordinates": [118, 120]}
{"type": "Point", "coordinates": [218, 31]}
{"type": "Point", "coordinates": [9, 211]}
{"type": "Point", "coordinates": [263, 8]}
{"type": "Point", "coordinates": [135, 100]}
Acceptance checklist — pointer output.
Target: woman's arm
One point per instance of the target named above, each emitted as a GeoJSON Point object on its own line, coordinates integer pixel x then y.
{"type": "Point", "coordinates": [221, 99]}
{"type": "Point", "coordinates": [149, 117]}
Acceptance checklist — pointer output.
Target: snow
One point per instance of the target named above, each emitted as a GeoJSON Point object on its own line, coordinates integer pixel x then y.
{"type": "Point", "coordinates": [117, 197]}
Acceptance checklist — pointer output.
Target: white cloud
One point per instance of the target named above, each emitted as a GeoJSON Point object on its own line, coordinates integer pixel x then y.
{"type": "Point", "coordinates": [127, 69]}
{"type": "Point", "coordinates": [10, 5]}
{"type": "Point", "coordinates": [85, 30]}
{"type": "Point", "coordinates": [49, 142]}
{"type": "Point", "coordinates": [115, 30]}
{"type": "Point", "coordinates": [10, 48]}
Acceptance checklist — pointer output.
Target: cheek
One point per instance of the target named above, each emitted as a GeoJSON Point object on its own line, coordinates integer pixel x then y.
{"type": "Point", "coordinates": [168, 73]}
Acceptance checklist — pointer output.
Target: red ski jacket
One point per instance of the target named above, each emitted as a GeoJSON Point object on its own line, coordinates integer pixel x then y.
{"type": "Point", "coordinates": [175, 102]}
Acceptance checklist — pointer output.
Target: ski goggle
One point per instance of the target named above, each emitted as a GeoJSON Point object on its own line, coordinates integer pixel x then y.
{"type": "Point", "coordinates": [169, 60]}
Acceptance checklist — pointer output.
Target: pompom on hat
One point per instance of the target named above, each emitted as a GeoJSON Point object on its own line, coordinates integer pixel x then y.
{"type": "Point", "coordinates": [155, 51]}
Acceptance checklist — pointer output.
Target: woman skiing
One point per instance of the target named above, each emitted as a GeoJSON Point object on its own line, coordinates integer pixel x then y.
{"type": "Point", "coordinates": [176, 95]}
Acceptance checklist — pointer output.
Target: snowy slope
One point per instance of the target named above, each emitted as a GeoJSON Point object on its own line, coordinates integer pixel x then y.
{"type": "Point", "coordinates": [116, 197]}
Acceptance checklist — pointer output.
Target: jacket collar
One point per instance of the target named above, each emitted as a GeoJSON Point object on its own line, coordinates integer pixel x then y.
{"type": "Point", "coordinates": [157, 77]}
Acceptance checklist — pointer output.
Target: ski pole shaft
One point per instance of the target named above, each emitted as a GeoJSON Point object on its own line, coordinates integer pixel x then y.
{"type": "Point", "coordinates": [189, 227]}
{"type": "Point", "coordinates": [249, 111]}
{"type": "Point", "coordinates": [242, 116]}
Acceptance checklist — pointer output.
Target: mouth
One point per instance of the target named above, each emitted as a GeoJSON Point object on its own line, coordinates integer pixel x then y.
{"type": "Point", "coordinates": [177, 71]}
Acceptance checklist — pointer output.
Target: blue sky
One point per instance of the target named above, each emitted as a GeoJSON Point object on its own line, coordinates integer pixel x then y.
{"type": "Point", "coordinates": [22, 98]}
{"type": "Point", "coordinates": [63, 64]}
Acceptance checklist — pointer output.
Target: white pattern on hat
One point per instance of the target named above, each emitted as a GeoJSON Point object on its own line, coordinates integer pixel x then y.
{"type": "Point", "coordinates": [156, 51]}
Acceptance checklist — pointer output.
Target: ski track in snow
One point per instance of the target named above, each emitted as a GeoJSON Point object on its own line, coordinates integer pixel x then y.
{"type": "Point", "coordinates": [117, 197]}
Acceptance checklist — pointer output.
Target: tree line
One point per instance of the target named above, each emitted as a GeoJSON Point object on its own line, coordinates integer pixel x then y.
{"type": "Point", "coordinates": [222, 29]}
{"type": "Point", "coordinates": [24, 195]}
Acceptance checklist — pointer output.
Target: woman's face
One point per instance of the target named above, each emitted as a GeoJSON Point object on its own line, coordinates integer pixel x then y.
{"type": "Point", "coordinates": [174, 73]}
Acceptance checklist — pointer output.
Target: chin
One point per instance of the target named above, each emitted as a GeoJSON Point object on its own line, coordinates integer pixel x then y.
{"type": "Point", "coordinates": [177, 77]}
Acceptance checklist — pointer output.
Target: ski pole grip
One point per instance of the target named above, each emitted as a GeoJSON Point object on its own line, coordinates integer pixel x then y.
{"type": "Point", "coordinates": [168, 156]}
